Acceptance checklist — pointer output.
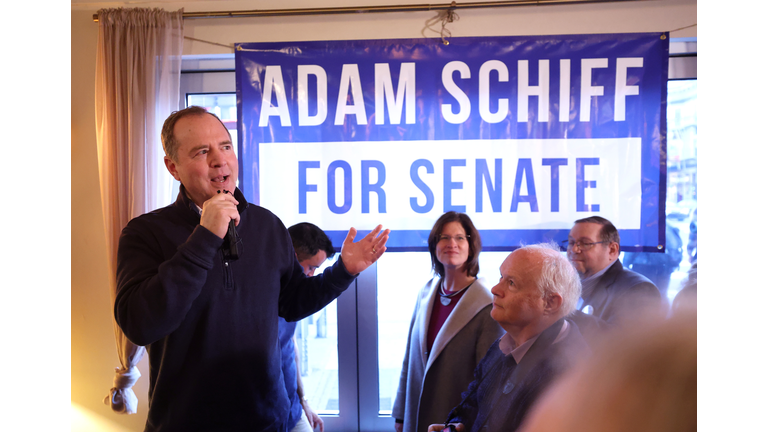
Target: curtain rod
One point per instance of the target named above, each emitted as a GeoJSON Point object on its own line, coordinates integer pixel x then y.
{"type": "Point", "coordinates": [377, 9]}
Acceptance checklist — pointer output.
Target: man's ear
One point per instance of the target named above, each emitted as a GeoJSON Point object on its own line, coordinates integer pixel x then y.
{"type": "Point", "coordinates": [552, 303]}
{"type": "Point", "coordinates": [171, 166]}
{"type": "Point", "coordinates": [613, 250]}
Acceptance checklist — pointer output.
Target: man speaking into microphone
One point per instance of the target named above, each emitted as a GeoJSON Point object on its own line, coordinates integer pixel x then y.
{"type": "Point", "coordinates": [207, 308]}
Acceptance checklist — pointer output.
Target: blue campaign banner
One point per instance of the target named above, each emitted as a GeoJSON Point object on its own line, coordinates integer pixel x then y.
{"type": "Point", "coordinates": [524, 134]}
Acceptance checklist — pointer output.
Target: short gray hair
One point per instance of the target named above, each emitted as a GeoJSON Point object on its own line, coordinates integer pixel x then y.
{"type": "Point", "coordinates": [557, 275]}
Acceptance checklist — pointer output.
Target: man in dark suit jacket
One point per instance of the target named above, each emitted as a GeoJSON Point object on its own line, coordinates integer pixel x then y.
{"type": "Point", "coordinates": [609, 291]}
{"type": "Point", "coordinates": [539, 344]}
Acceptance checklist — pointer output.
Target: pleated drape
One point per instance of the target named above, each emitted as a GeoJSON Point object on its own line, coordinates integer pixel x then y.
{"type": "Point", "coordinates": [137, 86]}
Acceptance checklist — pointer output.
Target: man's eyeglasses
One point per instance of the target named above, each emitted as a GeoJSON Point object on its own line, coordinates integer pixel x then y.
{"type": "Point", "coordinates": [458, 238]}
{"type": "Point", "coordinates": [582, 246]}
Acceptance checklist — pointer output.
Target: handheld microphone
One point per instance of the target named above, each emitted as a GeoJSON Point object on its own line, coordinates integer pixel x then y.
{"type": "Point", "coordinates": [232, 237]}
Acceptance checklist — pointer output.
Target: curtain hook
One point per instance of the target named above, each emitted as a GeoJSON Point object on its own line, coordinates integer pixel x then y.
{"type": "Point", "coordinates": [450, 16]}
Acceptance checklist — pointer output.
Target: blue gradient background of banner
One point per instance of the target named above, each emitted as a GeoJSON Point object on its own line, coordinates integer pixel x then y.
{"type": "Point", "coordinates": [645, 114]}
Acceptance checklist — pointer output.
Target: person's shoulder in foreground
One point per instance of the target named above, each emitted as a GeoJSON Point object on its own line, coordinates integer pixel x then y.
{"type": "Point", "coordinates": [642, 379]}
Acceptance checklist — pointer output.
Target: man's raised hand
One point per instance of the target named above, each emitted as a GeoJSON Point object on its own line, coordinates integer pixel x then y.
{"type": "Point", "coordinates": [358, 256]}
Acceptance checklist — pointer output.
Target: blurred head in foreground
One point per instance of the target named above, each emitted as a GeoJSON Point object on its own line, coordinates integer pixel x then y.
{"type": "Point", "coordinates": [639, 380]}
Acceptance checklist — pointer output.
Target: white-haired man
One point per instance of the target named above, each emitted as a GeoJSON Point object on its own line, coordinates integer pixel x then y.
{"type": "Point", "coordinates": [538, 288]}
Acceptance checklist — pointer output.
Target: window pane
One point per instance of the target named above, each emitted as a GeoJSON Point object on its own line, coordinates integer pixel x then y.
{"type": "Point", "coordinates": [317, 341]}
{"type": "Point", "coordinates": [400, 276]}
{"type": "Point", "coordinates": [224, 105]}
{"type": "Point", "coordinates": [489, 266]}
{"type": "Point", "coordinates": [669, 269]}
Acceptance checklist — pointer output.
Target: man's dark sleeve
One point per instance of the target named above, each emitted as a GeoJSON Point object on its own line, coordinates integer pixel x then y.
{"type": "Point", "coordinates": [466, 411]}
{"type": "Point", "coordinates": [154, 294]}
{"type": "Point", "coordinates": [301, 296]}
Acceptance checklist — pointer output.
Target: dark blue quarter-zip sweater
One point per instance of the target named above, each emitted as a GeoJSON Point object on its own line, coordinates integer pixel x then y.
{"type": "Point", "coordinates": [210, 323]}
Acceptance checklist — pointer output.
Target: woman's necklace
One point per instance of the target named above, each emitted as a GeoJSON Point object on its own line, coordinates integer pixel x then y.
{"type": "Point", "coordinates": [445, 299]}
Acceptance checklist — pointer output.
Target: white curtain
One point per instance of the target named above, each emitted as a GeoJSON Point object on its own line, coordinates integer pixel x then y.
{"type": "Point", "coordinates": [138, 68]}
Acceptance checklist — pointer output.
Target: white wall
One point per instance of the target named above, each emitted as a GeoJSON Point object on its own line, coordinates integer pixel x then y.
{"type": "Point", "coordinates": [623, 17]}
{"type": "Point", "coordinates": [93, 349]}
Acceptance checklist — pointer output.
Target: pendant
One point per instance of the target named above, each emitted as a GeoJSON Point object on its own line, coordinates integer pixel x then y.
{"type": "Point", "coordinates": [445, 301]}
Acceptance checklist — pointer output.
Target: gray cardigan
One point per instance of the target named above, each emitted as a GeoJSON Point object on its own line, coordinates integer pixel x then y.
{"type": "Point", "coordinates": [430, 387]}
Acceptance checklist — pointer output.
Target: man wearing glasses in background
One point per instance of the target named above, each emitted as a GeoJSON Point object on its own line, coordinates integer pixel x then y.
{"type": "Point", "coordinates": [608, 290]}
